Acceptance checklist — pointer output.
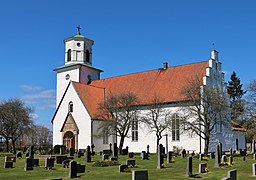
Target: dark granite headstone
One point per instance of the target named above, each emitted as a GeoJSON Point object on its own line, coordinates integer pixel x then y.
{"type": "Point", "coordinates": [19, 154]}
{"type": "Point", "coordinates": [29, 164]}
{"type": "Point", "coordinates": [189, 167]}
{"type": "Point", "coordinates": [59, 159]}
{"type": "Point", "coordinates": [72, 169]}
{"type": "Point", "coordinates": [105, 157]}
{"type": "Point", "coordinates": [8, 164]}
{"type": "Point", "coordinates": [253, 146]}
{"type": "Point", "coordinates": [65, 163]}
{"type": "Point", "coordinates": [242, 152]}
{"type": "Point", "coordinates": [115, 150]}
{"type": "Point", "coordinates": [71, 152]}
{"type": "Point", "coordinates": [202, 167]}
{"type": "Point", "coordinates": [123, 168]}
{"type": "Point", "coordinates": [36, 162]}
{"type": "Point", "coordinates": [80, 168]}
{"type": "Point", "coordinates": [224, 158]}
{"type": "Point", "coordinates": [10, 158]}
{"type": "Point", "coordinates": [130, 154]}
{"type": "Point", "coordinates": [114, 158]}
{"type": "Point", "coordinates": [88, 154]}
{"type": "Point", "coordinates": [230, 159]}
{"type": "Point", "coordinates": [232, 174]}
{"type": "Point", "coordinates": [144, 155]}
{"type": "Point", "coordinates": [130, 162]}
{"type": "Point", "coordinates": [140, 175]}
{"type": "Point", "coordinates": [49, 163]}
{"type": "Point", "coordinates": [169, 156]}
{"type": "Point", "coordinates": [160, 156]}
{"type": "Point", "coordinates": [107, 151]}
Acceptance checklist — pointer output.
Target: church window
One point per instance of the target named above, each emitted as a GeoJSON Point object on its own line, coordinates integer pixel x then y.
{"type": "Point", "coordinates": [87, 56]}
{"type": "Point", "coordinates": [105, 137]}
{"type": "Point", "coordinates": [176, 128]}
{"type": "Point", "coordinates": [70, 106]}
{"type": "Point", "coordinates": [69, 55]}
{"type": "Point", "coordinates": [135, 130]}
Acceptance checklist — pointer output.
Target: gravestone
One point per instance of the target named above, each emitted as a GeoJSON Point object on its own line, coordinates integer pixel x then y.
{"type": "Point", "coordinates": [31, 152]}
{"type": "Point", "coordinates": [130, 154]}
{"type": "Point", "coordinates": [254, 169]}
{"type": "Point", "coordinates": [232, 174]}
{"type": "Point", "coordinates": [65, 163]}
{"type": "Point", "coordinates": [110, 147]}
{"type": "Point", "coordinates": [242, 152]}
{"type": "Point", "coordinates": [8, 164]}
{"type": "Point", "coordinates": [144, 155]}
{"type": "Point", "coordinates": [92, 146]}
{"type": "Point", "coordinates": [49, 163]}
{"type": "Point", "coordinates": [148, 149]}
{"type": "Point", "coordinates": [88, 154]}
{"type": "Point", "coordinates": [29, 164]}
{"type": "Point", "coordinates": [72, 169]}
{"type": "Point", "coordinates": [115, 150]}
{"type": "Point", "coordinates": [140, 175]}
{"type": "Point", "coordinates": [253, 146]}
{"type": "Point", "coordinates": [130, 162]}
{"type": "Point", "coordinates": [212, 155]}
{"type": "Point", "coordinates": [220, 149]}
{"type": "Point", "coordinates": [224, 158]}
{"type": "Point", "coordinates": [200, 157]}
{"type": "Point", "coordinates": [80, 168]}
{"type": "Point", "coordinates": [125, 151]}
{"type": "Point", "coordinates": [10, 158]}
{"type": "Point", "coordinates": [19, 154]}
{"type": "Point", "coordinates": [105, 157]}
{"type": "Point", "coordinates": [231, 152]}
{"type": "Point", "coordinates": [114, 158]}
{"type": "Point", "coordinates": [160, 156]}
{"type": "Point", "coordinates": [169, 156]}
{"type": "Point", "coordinates": [202, 167]}
{"type": "Point", "coordinates": [230, 160]}
{"type": "Point", "coordinates": [183, 153]}
{"type": "Point", "coordinates": [71, 152]}
{"type": "Point", "coordinates": [189, 167]}
{"type": "Point", "coordinates": [123, 168]}
{"type": "Point", "coordinates": [217, 156]}
{"type": "Point", "coordinates": [62, 151]}
{"type": "Point", "coordinates": [107, 151]}
{"type": "Point", "coordinates": [254, 156]}
{"type": "Point", "coordinates": [59, 159]}
{"type": "Point", "coordinates": [36, 162]}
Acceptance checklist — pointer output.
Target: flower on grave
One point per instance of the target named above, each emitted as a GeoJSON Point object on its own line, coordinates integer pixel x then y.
{"type": "Point", "coordinates": [207, 169]}
{"type": "Point", "coordinates": [163, 165]}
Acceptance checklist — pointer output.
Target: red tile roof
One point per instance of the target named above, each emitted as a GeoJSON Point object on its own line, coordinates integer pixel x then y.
{"type": "Point", "coordinates": [163, 83]}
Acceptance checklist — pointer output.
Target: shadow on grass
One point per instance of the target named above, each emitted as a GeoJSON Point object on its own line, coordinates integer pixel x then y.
{"type": "Point", "coordinates": [195, 176]}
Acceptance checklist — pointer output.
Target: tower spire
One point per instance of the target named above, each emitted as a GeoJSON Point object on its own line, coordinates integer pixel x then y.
{"type": "Point", "coordinates": [78, 30]}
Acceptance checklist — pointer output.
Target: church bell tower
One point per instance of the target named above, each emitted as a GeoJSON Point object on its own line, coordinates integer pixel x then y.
{"type": "Point", "coordinates": [78, 64]}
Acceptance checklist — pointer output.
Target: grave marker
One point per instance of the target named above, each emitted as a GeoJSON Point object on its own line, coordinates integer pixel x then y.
{"type": "Point", "coordinates": [72, 169]}
{"type": "Point", "coordinates": [140, 175]}
{"type": "Point", "coordinates": [29, 164]}
{"type": "Point", "coordinates": [202, 167]}
{"type": "Point", "coordinates": [254, 169]}
{"type": "Point", "coordinates": [123, 167]}
{"type": "Point", "coordinates": [160, 156]}
{"type": "Point", "coordinates": [217, 156]}
{"type": "Point", "coordinates": [130, 162]}
{"type": "Point", "coordinates": [189, 167]}
{"type": "Point", "coordinates": [88, 154]}
{"type": "Point", "coordinates": [169, 156]}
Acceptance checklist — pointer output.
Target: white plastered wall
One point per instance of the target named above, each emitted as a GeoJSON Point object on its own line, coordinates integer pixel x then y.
{"type": "Point", "coordinates": [80, 116]}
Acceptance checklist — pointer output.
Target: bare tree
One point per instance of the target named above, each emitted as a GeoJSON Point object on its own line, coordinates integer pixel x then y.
{"type": "Point", "coordinates": [207, 107]}
{"type": "Point", "coordinates": [157, 118]}
{"type": "Point", "coordinates": [119, 111]}
{"type": "Point", "coordinates": [15, 120]}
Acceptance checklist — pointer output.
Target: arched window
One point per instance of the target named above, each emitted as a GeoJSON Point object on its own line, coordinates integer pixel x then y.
{"type": "Point", "coordinates": [70, 106]}
{"type": "Point", "coordinates": [175, 127]}
{"type": "Point", "coordinates": [87, 56]}
{"type": "Point", "coordinates": [69, 55]}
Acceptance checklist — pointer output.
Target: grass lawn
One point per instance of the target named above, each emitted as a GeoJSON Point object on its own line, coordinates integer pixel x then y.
{"type": "Point", "coordinates": [174, 170]}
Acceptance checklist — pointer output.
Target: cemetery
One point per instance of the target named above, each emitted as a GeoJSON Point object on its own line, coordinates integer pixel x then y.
{"type": "Point", "coordinates": [217, 165]}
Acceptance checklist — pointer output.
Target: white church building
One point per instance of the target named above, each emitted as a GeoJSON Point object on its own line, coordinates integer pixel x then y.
{"type": "Point", "coordinates": [80, 90]}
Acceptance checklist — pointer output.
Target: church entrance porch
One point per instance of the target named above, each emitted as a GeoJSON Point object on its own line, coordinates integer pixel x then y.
{"type": "Point", "coordinates": [69, 140]}
{"type": "Point", "coordinates": [70, 133]}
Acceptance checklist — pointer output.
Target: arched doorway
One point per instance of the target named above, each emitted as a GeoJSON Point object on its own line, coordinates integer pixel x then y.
{"type": "Point", "coordinates": [69, 140]}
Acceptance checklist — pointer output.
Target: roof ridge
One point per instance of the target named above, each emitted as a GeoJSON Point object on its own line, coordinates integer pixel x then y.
{"type": "Point", "coordinates": [146, 71]}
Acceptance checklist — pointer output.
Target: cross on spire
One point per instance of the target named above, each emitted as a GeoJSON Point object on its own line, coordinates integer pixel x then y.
{"type": "Point", "coordinates": [78, 30]}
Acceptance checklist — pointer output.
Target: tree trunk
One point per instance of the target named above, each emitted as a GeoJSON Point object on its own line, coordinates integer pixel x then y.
{"type": "Point", "coordinates": [157, 143]}
{"type": "Point", "coordinates": [206, 145]}
{"type": "Point", "coordinates": [7, 144]}
{"type": "Point", "coordinates": [13, 146]}
{"type": "Point", "coordinates": [121, 144]}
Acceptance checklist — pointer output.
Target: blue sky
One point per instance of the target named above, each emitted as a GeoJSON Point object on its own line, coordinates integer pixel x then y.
{"type": "Point", "coordinates": [130, 36]}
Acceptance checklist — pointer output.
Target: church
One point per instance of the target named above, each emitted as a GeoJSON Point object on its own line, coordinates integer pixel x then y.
{"type": "Point", "coordinates": [80, 89]}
